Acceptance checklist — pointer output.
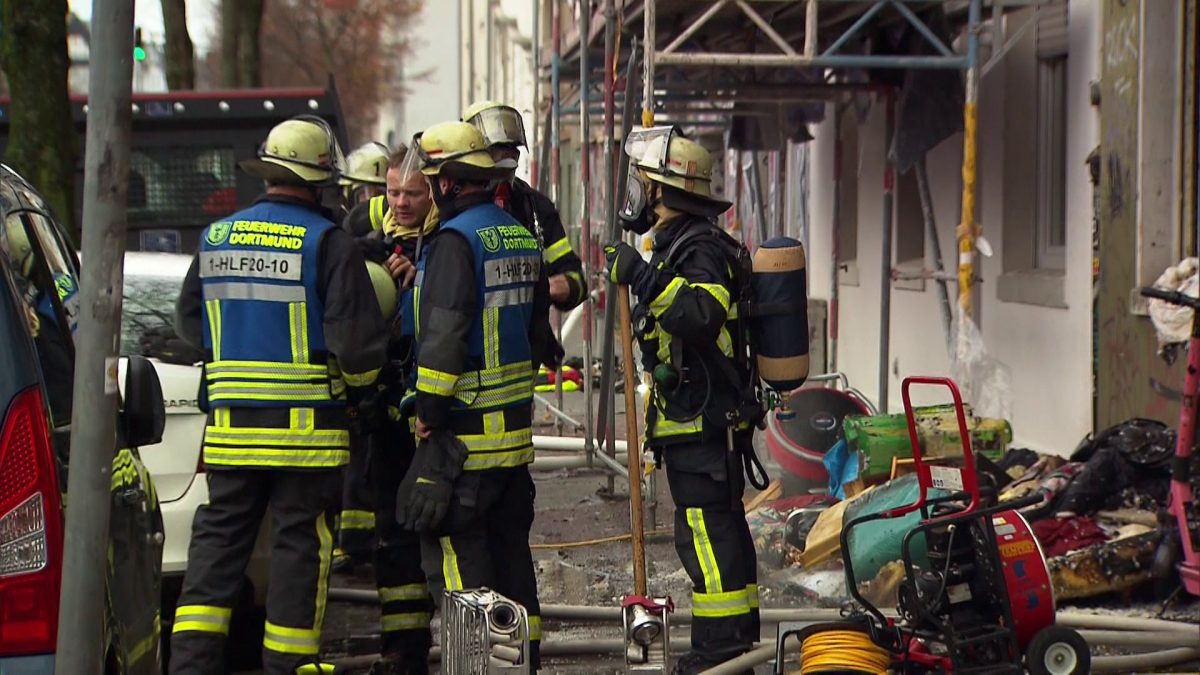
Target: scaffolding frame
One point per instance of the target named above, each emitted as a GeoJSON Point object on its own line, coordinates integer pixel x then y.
{"type": "Point", "coordinates": [694, 80]}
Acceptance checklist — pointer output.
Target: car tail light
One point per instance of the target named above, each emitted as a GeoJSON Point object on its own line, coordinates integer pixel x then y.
{"type": "Point", "coordinates": [31, 530]}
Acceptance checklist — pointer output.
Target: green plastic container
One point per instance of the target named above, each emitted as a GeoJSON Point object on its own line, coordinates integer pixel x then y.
{"type": "Point", "coordinates": [882, 438]}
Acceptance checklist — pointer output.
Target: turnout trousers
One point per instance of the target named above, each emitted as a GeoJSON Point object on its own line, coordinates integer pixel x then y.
{"type": "Point", "coordinates": [484, 541]}
{"type": "Point", "coordinates": [715, 547]}
{"type": "Point", "coordinates": [356, 522]}
{"type": "Point", "coordinates": [407, 607]}
{"type": "Point", "coordinates": [301, 506]}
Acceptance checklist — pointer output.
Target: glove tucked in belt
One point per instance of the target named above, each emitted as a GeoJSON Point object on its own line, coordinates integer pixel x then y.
{"type": "Point", "coordinates": [424, 495]}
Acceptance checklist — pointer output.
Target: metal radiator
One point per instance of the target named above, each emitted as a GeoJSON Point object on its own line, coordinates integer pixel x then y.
{"type": "Point", "coordinates": [483, 632]}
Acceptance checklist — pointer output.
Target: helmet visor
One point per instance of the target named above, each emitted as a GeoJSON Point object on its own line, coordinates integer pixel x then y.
{"type": "Point", "coordinates": [647, 146]}
{"type": "Point", "coordinates": [635, 195]}
{"type": "Point", "coordinates": [501, 126]}
{"type": "Point", "coordinates": [414, 160]}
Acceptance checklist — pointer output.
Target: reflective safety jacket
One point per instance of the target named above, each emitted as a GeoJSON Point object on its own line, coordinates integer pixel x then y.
{"type": "Point", "coordinates": [377, 209]}
{"type": "Point", "coordinates": [693, 313]}
{"type": "Point", "coordinates": [270, 294]}
{"type": "Point", "coordinates": [481, 364]}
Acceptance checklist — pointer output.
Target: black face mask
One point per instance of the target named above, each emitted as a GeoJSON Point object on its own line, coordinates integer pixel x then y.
{"type": "Point", "coordinates": [636, 214]}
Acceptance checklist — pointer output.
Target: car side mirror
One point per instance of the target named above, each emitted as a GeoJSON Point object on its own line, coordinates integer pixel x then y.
{"type": "Point", "coordinates": [143, 416]}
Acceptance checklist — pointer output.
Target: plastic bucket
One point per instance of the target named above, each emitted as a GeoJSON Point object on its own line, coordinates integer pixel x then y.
{"type": "Point", "coordinates": [799, 442]}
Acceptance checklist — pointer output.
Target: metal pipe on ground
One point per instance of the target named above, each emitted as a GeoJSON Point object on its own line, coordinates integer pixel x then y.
{"type": "Point", "coordinates": [566, 444]}
{"type": "Point", "coordinates": [1158, 659]}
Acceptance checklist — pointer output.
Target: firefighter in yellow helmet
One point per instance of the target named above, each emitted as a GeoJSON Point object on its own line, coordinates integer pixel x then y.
{"type": "Point", "coordinates": [406, 606]}
{"type": "Point", "coordinates": [703, 407]}
{"type": "Point", "coordinates": [504, 130]}
{"type": "Point", "coordinates": [280, 300]}
{"type": "Point", "coordinates": [363, 182]}
{"type": "Point", "coordinates": [482, 300]}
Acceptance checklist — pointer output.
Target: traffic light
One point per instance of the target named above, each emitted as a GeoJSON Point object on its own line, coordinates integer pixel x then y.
{"type": "Point", "coordinates": [139, 51]}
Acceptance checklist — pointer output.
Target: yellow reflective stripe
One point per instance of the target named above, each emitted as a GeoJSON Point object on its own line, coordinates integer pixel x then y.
{"type": "Point", "coordinates": [316, 669]}
{"type": "Point", "coordinates": [376, 211]}
{"type": "Point", "coordinates": [213, 308]}
{"type": "Point", "coordinates": [312, 459]}
{"type": "Point", "coordinates": [252, 436]}
{"type": "Point", "coordinates": [491, 338]}
{"type": "Point", "coordinates": [704, 552]}
{"type": "Point", "coordinates": [535, 622]}
{"type": "Point", "coordinates": [724, 342]}
{"type": "Point", "coordinates": [499, 460]}
{"type": "Point", "coordinates": [301, 419]}
{"type": "Point", "coordinates": [556, 250]}
{"type": "Point", "coordinates": [498, 396]}
{"type": "Point", "coordinates": [305, 641]}
{"type": "Point", "coordinates": [256, 368]}
{"type": "Point", "coordinates": [719, 605]}
{"type": "Point", "coordinates": [361, 379]}
{"type": "Point", "coordinates": [490, 377]}
{"type": "Point", "coordinates": [403, 593]}
{"type": "Point", "coordinates": [406, 621]}
{"type": "Point", "coordinates": [435, 382]}
{"type": "Point", "coordinates": [752, 596]}
{"type": "Point", "coordinates": [416, 293]}
{"type": "Point", "coordinates": [508, 440]}
{"type": "Point", "coordinates": [325, 556]}
{"type": "Point", "coordinates": [352, 519]}
{"type": "Point", "coordinates": [147, 644]}
{"type": "Point", "coordinates": [302, 326]}
{"type": "Point", "coordinates": [202, 618]}
{"type": "Point", "coordinates": [269, 391]}
{"type": "Point", "coordinates": [718, 291]}
{"type": "Point", "coordinates": [661, 303]}
{"type": "Point", "coordinates": [221, 417]}
{"type": "Point", "coordinates": [450, 574]}
{"type": "Point", "coordinates": [664, 428]}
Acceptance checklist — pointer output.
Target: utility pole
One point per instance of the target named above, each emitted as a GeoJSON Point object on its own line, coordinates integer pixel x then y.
{"type": "Point", "coordinates": [93, 423]}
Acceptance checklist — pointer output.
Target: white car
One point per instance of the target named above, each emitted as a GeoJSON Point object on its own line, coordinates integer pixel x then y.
{"type": "Point", "coordinates": [152, 284]}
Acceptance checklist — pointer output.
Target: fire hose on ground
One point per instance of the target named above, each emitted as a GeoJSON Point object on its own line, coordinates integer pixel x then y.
{"type": "Point", "coordinates": [1172, 639]}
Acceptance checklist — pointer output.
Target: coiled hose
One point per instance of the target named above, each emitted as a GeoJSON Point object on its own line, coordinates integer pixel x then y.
{"type": "Point", "coordinates": [843, 650]}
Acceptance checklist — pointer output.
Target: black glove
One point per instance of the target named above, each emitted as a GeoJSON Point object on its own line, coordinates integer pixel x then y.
{"type": "Point", "coordinates": [367, 409]}
{"type": "Point", "coordinates": [627, 268]}
{"type": "Point", "coordinates": [424, 495]}
{"type": "Point", "coordinates": [374, 250]}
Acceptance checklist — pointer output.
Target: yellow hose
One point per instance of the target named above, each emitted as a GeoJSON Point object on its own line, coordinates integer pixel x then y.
{"type": "Point", "coordinates": [594, 542]}
{"type": "Point", "coordinates": [842, 650]}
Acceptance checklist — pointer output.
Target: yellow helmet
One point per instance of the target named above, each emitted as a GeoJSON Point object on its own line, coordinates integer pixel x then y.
{"type": "Point", "coordinates": [302, 150]}
{"type": "Point", "coordinates": [455, 150]}
{"type": "Point", "coordinates": [367, 164]}
{"type": "Point", "coordinates": [385, 288]}
{"type": "Point", "coordinates": [667, 157]}
{"type": "Point", "coordinates": [500, 124]}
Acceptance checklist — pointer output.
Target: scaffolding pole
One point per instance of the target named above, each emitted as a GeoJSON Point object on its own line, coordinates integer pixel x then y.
{"type": "Point", "coordinates": [885, 274]}
{"type": "Point", "coordinates": [935, 248]}
{"type": "Point", "coordinates": [969, 230]}
{"type": "Point", "coordinates": [535, 149]}
{"type": "Point", "coordinates": [649, 45]}
{"type": "Point", "coordinates": [606, 424]}
{"type": "Point", "coordinates": [585, 238]}
{"type": "Point", "coordinates": [556, 169]}
{"type": "Point", "coordinates": [835, 232]}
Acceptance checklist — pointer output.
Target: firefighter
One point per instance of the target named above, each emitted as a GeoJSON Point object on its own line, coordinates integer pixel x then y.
{"type": "Point", "coordinates": [364, 180]}
{"type": "Point", "coordinates": [365, 173]}
{"type": "Point", "coordinates": [685, 316]}
{"type": "Point", "coordinates": [404, 597]}
{"type": "Point", "coordinates": [483, 303]}
{"type": "Point", "coordinates": [281, 302]}
{"type": "Point", "coordinates": [504, 131]}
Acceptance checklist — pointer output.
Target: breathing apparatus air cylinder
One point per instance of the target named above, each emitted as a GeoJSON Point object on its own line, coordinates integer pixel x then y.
{"type": "Point", "coordinates": [781, 315]}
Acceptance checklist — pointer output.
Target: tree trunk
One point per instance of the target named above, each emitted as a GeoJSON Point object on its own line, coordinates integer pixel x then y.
{"type": "Point", "coordinates": [229, 44]}
{"type": "Point", "coordinates": [249, 25]}
{"type": "Point", "coordinates": [181, 58]}
{"type": "Point", "coordinates": [42, 142]}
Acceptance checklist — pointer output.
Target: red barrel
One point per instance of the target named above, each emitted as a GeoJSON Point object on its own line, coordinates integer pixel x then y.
{"type": "Point", "coordinates": [799, 443]}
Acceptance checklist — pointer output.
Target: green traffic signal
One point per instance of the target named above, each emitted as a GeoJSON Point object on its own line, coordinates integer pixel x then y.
{"type": "Point", "coordinates": [139, 54]}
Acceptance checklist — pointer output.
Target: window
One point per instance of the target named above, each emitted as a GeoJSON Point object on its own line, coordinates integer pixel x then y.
{"type": "Point", "coordinates": [909, 219]}
{"type": "Point", "coordinates": [175, 186]}
{"type": "Point", "coordinates": [1034, 233]}
{"type": "Point", "coordinates": [847, 222]}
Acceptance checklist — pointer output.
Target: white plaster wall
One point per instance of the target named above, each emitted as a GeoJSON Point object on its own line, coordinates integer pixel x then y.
{"type": "Point", "coordinates": [1048, 350]}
